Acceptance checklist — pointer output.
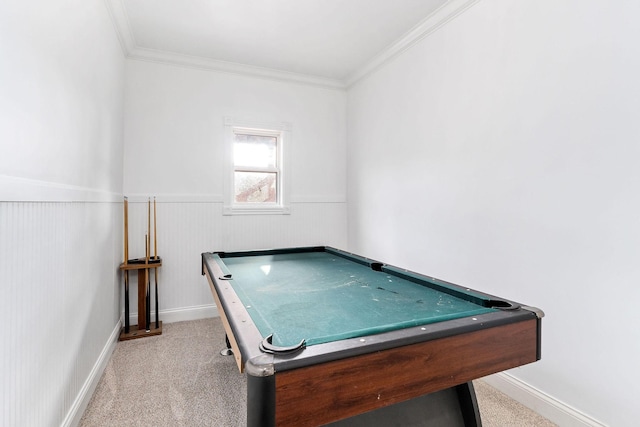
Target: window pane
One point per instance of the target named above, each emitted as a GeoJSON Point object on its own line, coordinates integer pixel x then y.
{"type": "Point", "coordinates": [255, 150]}
{"type": "Point", "coordinates": [255, 187]}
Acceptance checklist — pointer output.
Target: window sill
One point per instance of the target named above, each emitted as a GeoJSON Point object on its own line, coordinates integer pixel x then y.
{"type": "Point", "coordinates": [255, 210]}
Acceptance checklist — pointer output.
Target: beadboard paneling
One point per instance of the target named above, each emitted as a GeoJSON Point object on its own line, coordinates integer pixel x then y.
{"type": "Point", "coordinates": [59, 302]}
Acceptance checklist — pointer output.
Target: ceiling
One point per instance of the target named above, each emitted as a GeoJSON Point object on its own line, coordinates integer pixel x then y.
{"type": "Point", "coordinates": [325, 42]}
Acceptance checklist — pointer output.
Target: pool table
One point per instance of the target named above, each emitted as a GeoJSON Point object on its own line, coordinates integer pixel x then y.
{"type": "Point", "coordinates": [327, 337]}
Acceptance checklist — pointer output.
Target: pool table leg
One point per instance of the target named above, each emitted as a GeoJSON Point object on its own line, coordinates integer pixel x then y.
{"type": "Point", "coordinates": [468, 405]}
{"type": "Point", "coordinates": [227, 351]}
{"type": "Point", "coordinates": [261, 401]}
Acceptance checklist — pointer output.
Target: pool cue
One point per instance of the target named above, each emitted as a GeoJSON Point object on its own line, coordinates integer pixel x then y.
{"type": "Point", "coordinates": [155, 255]}
{"type": "Point", "coordinates": [147, 309]}
{"type": "Point", "coordinates": [126, 272]}
{"type": "Point", "coordinates": [148, 276]}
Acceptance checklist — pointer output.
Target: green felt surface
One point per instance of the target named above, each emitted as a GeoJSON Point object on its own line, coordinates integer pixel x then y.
{"type": "Point", "coordinates": [321, 297]}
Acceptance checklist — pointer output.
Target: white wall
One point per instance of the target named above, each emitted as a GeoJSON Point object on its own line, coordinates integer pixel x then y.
{"type": "Point", "coordinates": [174, 150]}
{"type": "Point", "coordinates": [501, 153]}
{"type": "Point", "coordinates": [61, 148]}
{"type": "Point", "coordinates": [61, 78]}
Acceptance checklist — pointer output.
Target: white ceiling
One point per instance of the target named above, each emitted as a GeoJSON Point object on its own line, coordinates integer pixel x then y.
{"type": "Point", "coordinates": [329, 42]}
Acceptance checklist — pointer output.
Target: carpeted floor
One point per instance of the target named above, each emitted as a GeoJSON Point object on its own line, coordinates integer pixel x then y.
{"type": "Point", "coordinates": [179, 379]}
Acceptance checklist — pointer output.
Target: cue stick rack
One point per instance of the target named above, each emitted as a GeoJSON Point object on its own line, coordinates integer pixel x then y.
{"type": "Point", "coordinates": [143, 266]}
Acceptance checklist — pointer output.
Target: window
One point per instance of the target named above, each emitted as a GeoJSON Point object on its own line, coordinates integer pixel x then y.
{"type": "Point", "coordinates": [256, 175]}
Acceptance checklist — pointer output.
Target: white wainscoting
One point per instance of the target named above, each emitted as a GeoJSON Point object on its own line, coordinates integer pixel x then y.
{"type": "Point", "coordinates": [59, 305]}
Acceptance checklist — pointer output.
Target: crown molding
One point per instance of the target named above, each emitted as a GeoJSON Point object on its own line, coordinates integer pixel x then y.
{"type": "Point", "coordinates": [120, 22]}
{"type": "Point", "coordinates": [171, 58]}
{"type": "Point", "coordinates": [431, 23]}
{"type": "Point", "coordinates": [427, 26]}
{"type": "Point", "coordinates": [131, 50]}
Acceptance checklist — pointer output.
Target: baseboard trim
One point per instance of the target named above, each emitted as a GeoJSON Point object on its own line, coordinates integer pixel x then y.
{"type": "Point", "coordinates": [86, 392]}
{"type": "Point", "coordinates": [180, 314]}
{"type": "Point", "coordinates": [543, 404]}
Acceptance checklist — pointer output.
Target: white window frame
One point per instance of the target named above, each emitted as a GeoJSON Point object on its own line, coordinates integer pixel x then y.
{"type": "Point", "coordinates": [281, 130]}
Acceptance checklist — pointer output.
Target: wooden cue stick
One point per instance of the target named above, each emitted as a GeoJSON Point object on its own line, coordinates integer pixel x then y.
{"type": "Point", "coordinates": [155, 256]}
{"type": "Point", "coordinates": [148, 236]}
{"type": "Point", "coordinates": [126, 272]}
{"type": "Point", "coordinates": [155, 231]}
{"type": "Point", "coordinates": [147, 309]}
{"type": "Point", "coordinates": [148, 253]}
{"type": "Point", "coordinates": [126, 230]}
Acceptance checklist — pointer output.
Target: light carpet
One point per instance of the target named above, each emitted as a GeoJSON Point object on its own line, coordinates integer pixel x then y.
{"type": "Point", "coordinates": [179, 379]}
